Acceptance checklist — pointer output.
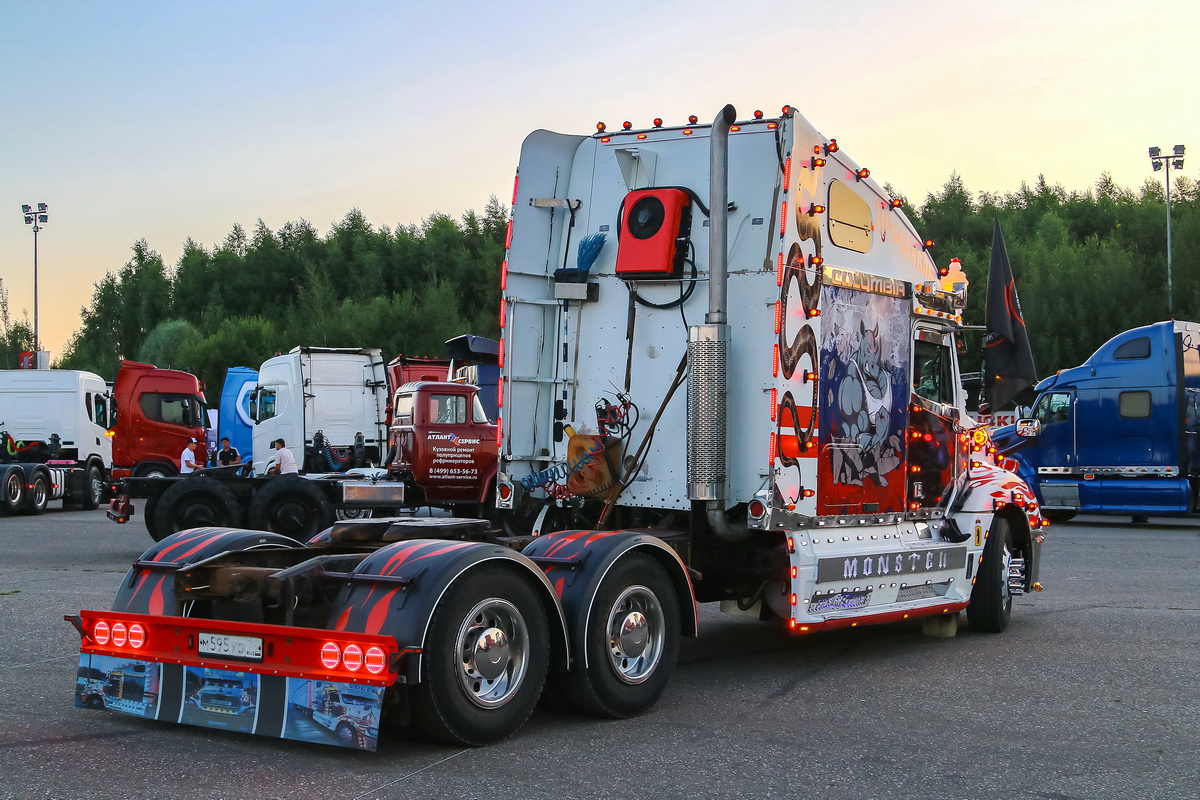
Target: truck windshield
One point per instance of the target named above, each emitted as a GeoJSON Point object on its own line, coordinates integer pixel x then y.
{"type": "Point", "coordinates": [449, 409]}
{"type": "Point", "coordinates": [173, 409]}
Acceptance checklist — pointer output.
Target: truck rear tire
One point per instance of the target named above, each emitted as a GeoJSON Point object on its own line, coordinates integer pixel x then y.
{"type": "Point", "coordinates": [153, 470]}
{"type": "Point", "coordinates": [991, 601]}
{"type": "Point", "coordinates": [198, 502]}
{"type": "Point", "coordinates": [93, 488]}
{"type": "Point", "coordinates": [290, 506]}
{"type": "Point", "coordinates": [487, 657]}
{"type": "Point", "coordinates": [13, 497]}
{"type": "Point", "coordinates": [37, 493]}
{"type": "Point", "coordinates": [631, 641]}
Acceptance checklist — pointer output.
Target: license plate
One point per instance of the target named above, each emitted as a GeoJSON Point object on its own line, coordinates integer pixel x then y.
{"type": "Point", "coordinates": [246, 648]}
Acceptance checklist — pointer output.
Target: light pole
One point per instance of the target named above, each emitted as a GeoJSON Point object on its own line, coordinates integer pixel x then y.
{"type": "Point", "coordinates": [1159, 161]}
{"type": "Point", "coordinates": [34, 218]}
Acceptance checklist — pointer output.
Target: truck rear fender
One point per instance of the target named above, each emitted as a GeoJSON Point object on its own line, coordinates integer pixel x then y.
{"type": "Point", "coordinates": [149, 585]}
{"type": "Point", "coordinates": [575, 562]}
{"type": "Point", "coordinates": [396, 590]}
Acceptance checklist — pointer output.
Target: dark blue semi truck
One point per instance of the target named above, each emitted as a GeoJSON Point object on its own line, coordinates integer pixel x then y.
{"type": "Point", "coordinates": [1118, 434]}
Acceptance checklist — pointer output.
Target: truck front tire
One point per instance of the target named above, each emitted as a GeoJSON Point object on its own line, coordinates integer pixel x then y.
{"type": "Point", "coordinates": [487, 655]}
{"type": "Point", "coordinates": [991, 601]}
{"type": "Point", "coordinates": [93, 488]}
{"type": "Point", "coordinates": [198, 502]}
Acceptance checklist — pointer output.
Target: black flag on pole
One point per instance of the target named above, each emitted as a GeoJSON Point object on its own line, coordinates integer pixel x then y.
{"type": "Point", "coordinates": [1007, 359]}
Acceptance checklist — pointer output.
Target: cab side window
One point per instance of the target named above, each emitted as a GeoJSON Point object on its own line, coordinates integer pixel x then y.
{"type": "Point", "coordinates": [933, 372]}
{"type": "Point", "coordinates": [1052, 408]}
{"type": "Point", "coordinates": [448, 409]}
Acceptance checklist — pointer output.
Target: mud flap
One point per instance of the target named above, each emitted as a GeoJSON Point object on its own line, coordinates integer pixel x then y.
{"type": "Point", "coordinates": [307, 710]}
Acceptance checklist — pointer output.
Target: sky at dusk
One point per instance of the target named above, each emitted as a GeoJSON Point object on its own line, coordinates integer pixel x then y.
{"type": "Point", "coordinates": [166, 120]}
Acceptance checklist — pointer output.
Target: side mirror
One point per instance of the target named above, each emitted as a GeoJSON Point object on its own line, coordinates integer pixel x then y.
{"type": "Point", "coordinates": [1028, 428]}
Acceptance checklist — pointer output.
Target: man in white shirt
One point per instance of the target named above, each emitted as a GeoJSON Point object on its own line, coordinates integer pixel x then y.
{"type": "Point", "coordinates": [285, 462]}
{"type": "Point", "coordinates": [187, 459]}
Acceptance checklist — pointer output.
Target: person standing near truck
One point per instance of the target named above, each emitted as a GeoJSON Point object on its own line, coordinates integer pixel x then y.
{"type": "Point", "coordinates": [285, 462]}
{"type": "Point", "coordinates": [228, 454]}
{"type": "Point", "coordinates": [187, 459]}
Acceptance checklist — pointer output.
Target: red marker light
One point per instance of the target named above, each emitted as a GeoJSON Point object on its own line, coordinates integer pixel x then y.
{"type": "Point", "coordinates": [375, 660]}
{"type": "Point", "coordinates": [693, 119]}
{"type": "Point", "coordinates": [352, 657]}
{"type": "Point", "coordinates": [137, 635]}
{"type": "Point", "coordinates": [658, 122]}
{"type": "Point", "coordinates": [862, 174]}
{"type": "Point", "coordinates": [331, 655]}
{"type": "Point", "coordinates": [758, 115]}
{"type": "Point", "coordinates": [626, 125]}
{"type": "Point", "coordinates": [600, 126]}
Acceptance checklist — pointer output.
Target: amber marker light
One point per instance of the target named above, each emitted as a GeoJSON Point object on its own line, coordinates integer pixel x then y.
{"type": "Point", "coordinates": [831, 146]}
{"type": "Point", "coordinates": [815, 209]}
{"type": "Point", "coordinates": [862, 174]}
{"type": "Point", "coordinates": [896, 203]}
{"type": "Point", "coordinates": [600, 127]}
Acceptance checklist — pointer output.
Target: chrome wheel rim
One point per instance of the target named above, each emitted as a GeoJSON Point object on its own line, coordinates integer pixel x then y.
{"type": "Point", "coordinates": [635, 639]}
{"type": "Point", "coordinates": [493, 652]}
{"type": "Point", "coordinates": [13, 488]}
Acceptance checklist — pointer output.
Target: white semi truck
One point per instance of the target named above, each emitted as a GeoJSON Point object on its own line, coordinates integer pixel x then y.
{"type": "Point", "coordinates": [728, 374]}
{"type": "Point", "coordinates": [54, 439]}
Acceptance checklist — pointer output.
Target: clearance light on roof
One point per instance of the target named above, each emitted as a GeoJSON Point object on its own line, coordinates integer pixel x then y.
{"type": "Point", "coordinates": [785, 109]}
{"type": "Point", "coordinates": [896, 203]}
{"type": "Point", "coordinates": [831, 146]}
{"type": "Point", "coordinates": [927, 244]}
{"type": "Point", "coordinates": [693, 119]}
{"type": "Point", "coordinates": [758, 115]}
{"type": "Point", "coordinates": [862, 174]}
{"type": "Point", "coordinates": [658, 122]}
{"type": "Point", "coordinates": [626, 125]}
{"type": "Point", "coordinates": [600, 127]}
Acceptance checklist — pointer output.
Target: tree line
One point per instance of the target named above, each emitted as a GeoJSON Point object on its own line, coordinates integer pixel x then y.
{"type": "Point", "coordinates": [1088, 264]}
{"type": "Point", "coordinates": [405, 290]}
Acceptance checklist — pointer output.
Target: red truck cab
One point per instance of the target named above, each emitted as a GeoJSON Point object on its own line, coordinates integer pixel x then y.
{"type": "Point", "coordinates": [442, 444]}
{"type": "Point", "coordinates": [158, 410]}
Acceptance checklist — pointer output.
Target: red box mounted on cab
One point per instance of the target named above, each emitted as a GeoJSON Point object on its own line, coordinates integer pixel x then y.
{"type": "Point", "coordinates": [655, 224]}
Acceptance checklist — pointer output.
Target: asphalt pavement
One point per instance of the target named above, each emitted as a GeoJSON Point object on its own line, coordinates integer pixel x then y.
{"type": "Point", "coordinates": [1092, 692]}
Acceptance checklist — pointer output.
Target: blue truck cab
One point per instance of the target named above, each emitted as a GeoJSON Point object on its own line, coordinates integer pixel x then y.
{"type": "Point", "coordinates": [1118, 434]}
{"type": "Point", "coordinates": [234, 420]}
